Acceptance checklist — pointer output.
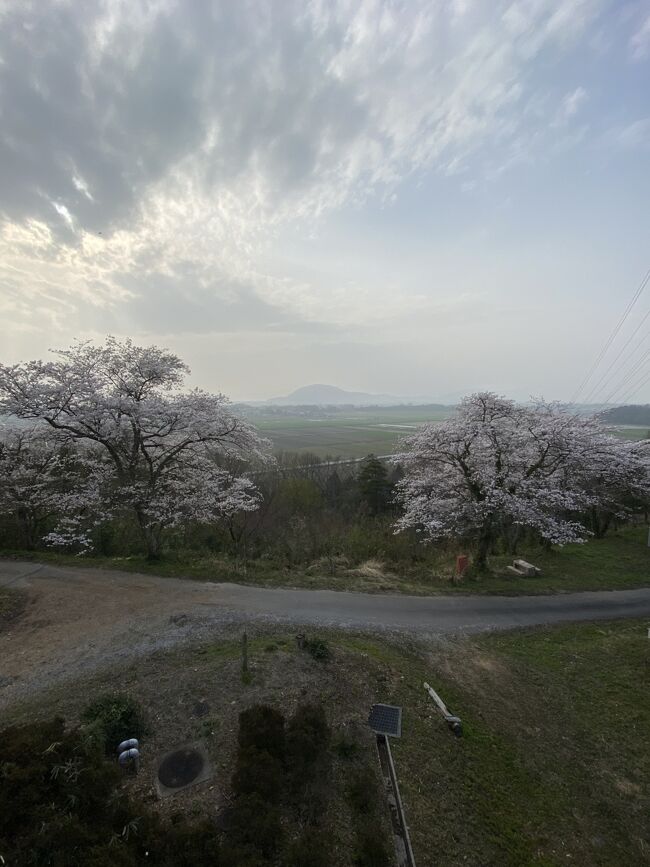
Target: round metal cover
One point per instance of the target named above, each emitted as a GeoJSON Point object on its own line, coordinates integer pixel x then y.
{"type": "Point", "coordinates": [180, 768]}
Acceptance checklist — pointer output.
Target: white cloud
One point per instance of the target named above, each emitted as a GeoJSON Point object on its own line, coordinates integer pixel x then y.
{"type": "Point", "coordinates": [165, 144]}
{"type": "Point", "coordinates": [572, 102]}
{"type": "Point", "coordinates": [633, 135]}
{"type": "Point", "coordinates": [640, 41]}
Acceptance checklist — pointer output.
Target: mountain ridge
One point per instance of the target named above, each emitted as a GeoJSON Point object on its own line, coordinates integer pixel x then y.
{"type": "Point", "coordinates": [320, 394]}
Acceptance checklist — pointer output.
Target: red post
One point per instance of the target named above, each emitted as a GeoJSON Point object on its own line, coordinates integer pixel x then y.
{"type": "Point", "coordinates": [462, 562]}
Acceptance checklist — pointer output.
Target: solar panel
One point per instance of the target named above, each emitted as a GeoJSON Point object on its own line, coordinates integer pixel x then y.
{"type": "Point", "coordinates": [386, 719]}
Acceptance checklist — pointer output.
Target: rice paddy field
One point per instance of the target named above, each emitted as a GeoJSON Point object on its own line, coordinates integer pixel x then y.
{"type": "Point", "coordinates": [631, 432]}
{"type": "Point", "coordinates": [359, 431]}
{"type": "Point", "coordinates": [348, 433]}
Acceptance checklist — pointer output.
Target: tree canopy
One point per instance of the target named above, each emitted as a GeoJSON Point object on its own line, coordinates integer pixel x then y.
{"type": "Point", "coordinates": [169, 450]}
{"type": "Point", "coordinates": [497, 464]}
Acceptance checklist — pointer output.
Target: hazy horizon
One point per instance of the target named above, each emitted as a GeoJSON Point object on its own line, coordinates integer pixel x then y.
{"type": "Point", "coordinates": [422, 198]}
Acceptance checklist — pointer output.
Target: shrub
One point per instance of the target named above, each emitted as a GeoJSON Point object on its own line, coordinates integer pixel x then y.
{"type": "Point", "coordinates": [372, 849]}
{"type": "Point", "coordinates": [318, 649]}
{"type": "Point", "coordinates": [347, 747]}
{"type": "Point", "coordinates": [255, 825]}
{"type": "Point", "coordinates": [117, 717]}
{"type": "Point", "coordinates": [363, 791]}
{"type": "Point", "coordinates": [60, 805]}
{"type": "Point", "coordinates": [241, 856]}
{"type": "Point", "coordinates": [258, 773]}
{"type": "Point", "coordinates": [308, 734]}
{"type": "Point", "coordinates": [310, 850]}
{"type": "Point", "coordinates": [262, 727]}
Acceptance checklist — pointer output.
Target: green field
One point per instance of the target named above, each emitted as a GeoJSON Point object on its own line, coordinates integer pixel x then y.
{"type": "Point", "coordinates": [357, 432]}
{"type": "Point", "coordinates": [631, 431]}
{"type": "Point", "coordinates": [351, 433]}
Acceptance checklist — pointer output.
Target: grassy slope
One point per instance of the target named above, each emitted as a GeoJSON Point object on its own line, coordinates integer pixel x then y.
{"type": "Point", "coordinates": [553, 768]}
{"type": "Point", "coordinates": [554, 765]}
{"type": "Point", "coordinates": [621, 560]}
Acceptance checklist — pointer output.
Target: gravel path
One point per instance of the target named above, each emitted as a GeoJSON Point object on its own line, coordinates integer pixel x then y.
{"type": "Point", "coordinates": [79, 620]}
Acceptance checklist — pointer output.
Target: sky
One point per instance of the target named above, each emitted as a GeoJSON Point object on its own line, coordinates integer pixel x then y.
{"type": "Point", "coordinates": [416, 198]}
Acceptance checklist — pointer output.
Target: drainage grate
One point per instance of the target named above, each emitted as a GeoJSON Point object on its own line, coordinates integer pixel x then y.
{"type": "Point", "coordinates": [386, 719]}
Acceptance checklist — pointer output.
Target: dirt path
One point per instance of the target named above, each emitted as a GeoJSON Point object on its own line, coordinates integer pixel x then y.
{"type": "Point", "coordinates": [79, 620]}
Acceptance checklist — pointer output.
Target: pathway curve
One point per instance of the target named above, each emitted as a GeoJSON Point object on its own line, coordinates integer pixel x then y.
{"type": "Point", "coordinates": [78, 620]}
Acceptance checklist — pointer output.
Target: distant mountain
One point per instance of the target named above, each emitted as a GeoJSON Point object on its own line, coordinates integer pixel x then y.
{"type": "Point", "coordinates": [633, 414]}
{"type": "Point", "coordinates": [330, 395]}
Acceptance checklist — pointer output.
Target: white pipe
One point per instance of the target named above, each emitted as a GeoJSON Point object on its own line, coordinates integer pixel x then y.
{"type": "Point", "coordinates": [452, 721]}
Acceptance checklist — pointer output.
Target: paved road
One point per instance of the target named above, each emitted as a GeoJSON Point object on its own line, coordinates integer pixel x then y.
{"type": "Point", "coordinates": [79, 619]}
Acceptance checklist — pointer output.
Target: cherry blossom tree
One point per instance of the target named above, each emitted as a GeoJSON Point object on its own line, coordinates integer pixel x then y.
{"type": "Point", "coordinates": [497, 464]}
{"type": "Point", "coordinates": [167, 448]}
{"type": "Point", "coordinates": [52, 491]}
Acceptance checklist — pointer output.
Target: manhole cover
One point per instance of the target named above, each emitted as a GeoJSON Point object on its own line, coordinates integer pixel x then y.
{"type": "Point", "coordinates": [186, 765]}
{"type": "Point", "coordinates": [180, 768]}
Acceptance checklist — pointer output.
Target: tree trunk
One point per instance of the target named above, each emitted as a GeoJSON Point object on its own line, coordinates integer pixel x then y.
{"type": "Point", "coordinates": [151, 535]}
{"type": "Point", "coordinates": [485, 540]}
{"type": "Point", "coordinates": [29, 528]}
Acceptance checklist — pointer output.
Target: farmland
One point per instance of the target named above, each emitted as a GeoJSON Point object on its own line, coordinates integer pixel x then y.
{"type": "Point", "coordinates": [346, 432]}
{"type": "Point", "coordinates": [354, 432]}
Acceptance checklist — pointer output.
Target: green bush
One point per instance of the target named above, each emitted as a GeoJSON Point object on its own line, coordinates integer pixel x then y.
{"type": "Point", "coordinates": [307, 760]}
{"type": "Point", "coordinates": [372, 848]}
{"type": "Point", "coordinates": [255, 825]}
{"type": "Point", "coordinates": [115, 717]}
{"type": "Point", "coordinates": [363, 791]}
{"type": "Point", "coordinates": [233, 855]}
{"type": "Point", "coordinates": [258, 773]}
{"type": "Point", "coordinates": [262, 727]}
{"type": "Point", "coordinates": [310, 850]}
{"type": "Point", "coordinates": [308, 735]}
{"type": "Point", "coordinates": [347, 747]}
{"type": "Point", "coordinates": [318, 649]}
{"type": "Point", "coordinates": [61, 806]}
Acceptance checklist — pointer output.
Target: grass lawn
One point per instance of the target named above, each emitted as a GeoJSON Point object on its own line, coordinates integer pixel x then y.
{"type": "Point", "coordinates": [621, 560]}
{"type": "Point", "coordinates": [553, 767]}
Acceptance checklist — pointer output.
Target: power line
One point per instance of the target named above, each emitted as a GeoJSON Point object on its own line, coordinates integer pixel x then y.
{"type": "Point", "coordinates": [626, 360]}
{"type": "Point", "coordinates": [612, 336]}
{"type": "Point", "coordinates": [626, 379]}
{"type": "Point", "coordinates": [636, 389]}
{"type": "Point", "coordinates": [595, 388]}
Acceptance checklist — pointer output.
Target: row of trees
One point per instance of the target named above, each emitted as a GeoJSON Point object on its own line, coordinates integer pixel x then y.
{"type": "Point", "coordinates": [104, 433]}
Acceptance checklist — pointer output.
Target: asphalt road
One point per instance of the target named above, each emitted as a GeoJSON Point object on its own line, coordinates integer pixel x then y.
{"type": "Point", "coordinates": [77, 620]}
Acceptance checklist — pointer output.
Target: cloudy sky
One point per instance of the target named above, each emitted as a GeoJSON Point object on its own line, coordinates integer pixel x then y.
{"type": "Point", "coordinates": [419, 198]}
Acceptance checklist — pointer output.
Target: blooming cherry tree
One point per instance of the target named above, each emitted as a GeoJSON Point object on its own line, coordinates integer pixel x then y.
{"type": "Point", "coordinates": [167, 449]}
{"type": "Point", "coordinates": [497, 464]}
{"type": "Point", "coordinates": [46, 485]}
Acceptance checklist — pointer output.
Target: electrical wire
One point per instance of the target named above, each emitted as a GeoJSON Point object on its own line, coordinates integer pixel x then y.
{"type": "Point", "coordinates": [595, 388]}
{"type": "Point", "coordinates": [626, 379]}
{"type": "Point", "coordinates": [612, 336]}
{"type": "Point", "coordinates": [629, 357]}
{"type": "Point", "coordinates": [636, 389]}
